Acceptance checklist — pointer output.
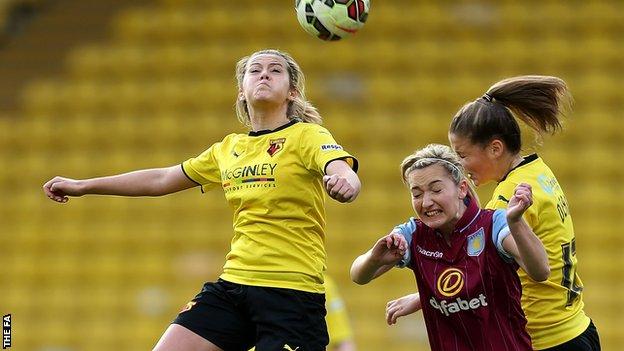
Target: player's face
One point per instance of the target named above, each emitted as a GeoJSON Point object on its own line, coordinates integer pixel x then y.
{"type": "Point", "coordinates": [266, 81]}
{"type": "Point", "coordinates": [436, 198]}
{"type": "Point", "coordinates": [475, 159]}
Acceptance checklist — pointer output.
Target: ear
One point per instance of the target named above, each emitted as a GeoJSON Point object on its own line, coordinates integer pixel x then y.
{"type": "Point", "coordinates": [496, 148]}
{"type": "Point", "coordinates": [463, 188]}
{"type": "Point", "coordinates": [241, 96]}
{"type": "Point", "coordinates": [292, 94]}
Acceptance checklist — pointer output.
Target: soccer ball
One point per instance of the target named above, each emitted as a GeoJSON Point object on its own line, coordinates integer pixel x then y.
{"type": "Point", "coordinates": [332, 19]}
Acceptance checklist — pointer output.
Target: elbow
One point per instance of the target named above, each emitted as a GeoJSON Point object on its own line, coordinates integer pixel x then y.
{"type": "Point", "coordinates": [359, 281]}
{"type": "Point", "coordinates": [541, 275]}
{"type": "Point", "coordinates": [357, 277]}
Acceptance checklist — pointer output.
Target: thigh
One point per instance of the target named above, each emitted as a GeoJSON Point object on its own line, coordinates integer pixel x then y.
{"type": "Point", "coordinates": [218, 315]}
{"type": "Point", "coordinates": [288, 319]}
{"type": "Point", "coordinates": [178, 338]}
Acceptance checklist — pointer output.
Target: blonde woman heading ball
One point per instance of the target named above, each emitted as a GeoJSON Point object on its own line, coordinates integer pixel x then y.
{"type": "Point", "coordinates": [274, 178]}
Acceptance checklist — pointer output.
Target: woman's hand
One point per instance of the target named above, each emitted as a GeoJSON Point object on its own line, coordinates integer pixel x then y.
{"type": "Point", "coordinates": [339, 188]}
{"type": "Point", "coordinates": [59, 189]}
{"type": "Point", "coordinates": [386, 253]}
{"type": "Point", "coordinates": [519, 202]}
{"type": "Point", "coordinates": [389, 250]}
{"type": "Point", "coordinates": [341, 182]}
{"type": "Point", "coordinates": [402, 306]}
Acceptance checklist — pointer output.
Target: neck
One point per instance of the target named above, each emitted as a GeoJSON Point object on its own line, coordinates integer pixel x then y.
{"type": "Point", "coordinates": [448, 229]}
{"type": "Point", "coordinates": [268, 119]}
{"type": "Point", "coordinates": [510, 163]}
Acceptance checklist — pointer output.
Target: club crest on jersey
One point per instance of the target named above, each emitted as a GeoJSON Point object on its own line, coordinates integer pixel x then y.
{"type": "Point", "coordinates": [275, 145]}
{"type": "Point", "coordinates": [476, 243]}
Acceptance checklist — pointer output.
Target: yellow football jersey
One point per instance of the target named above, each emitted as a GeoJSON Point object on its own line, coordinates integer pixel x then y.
{"type": "Point", "coordinates": [337, 320]}
{"type": "Point", "coordinates": [273, 182]}
{"type": "Point", "coordinates": [554, 308]}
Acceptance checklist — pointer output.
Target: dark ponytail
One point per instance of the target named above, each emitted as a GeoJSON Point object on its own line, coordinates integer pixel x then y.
{"type": "Point", "coordinates": [539, 101]}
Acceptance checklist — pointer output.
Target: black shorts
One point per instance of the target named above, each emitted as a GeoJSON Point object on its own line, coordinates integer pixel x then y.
{"type": "Point", "coordinates": [587, 341]}
{"type": "Point", "coordinates": [237, 317]}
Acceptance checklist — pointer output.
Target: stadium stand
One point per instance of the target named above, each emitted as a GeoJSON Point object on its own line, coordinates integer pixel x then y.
{"type": "Point", "coordinates": [148, 84]}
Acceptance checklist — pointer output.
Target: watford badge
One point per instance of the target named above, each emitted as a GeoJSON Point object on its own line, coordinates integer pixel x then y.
{"type": "Point", "coordinates": [275, 145]}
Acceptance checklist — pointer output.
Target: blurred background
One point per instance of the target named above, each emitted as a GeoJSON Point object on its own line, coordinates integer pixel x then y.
{"type": "Point", "coordinates": [90, 88]}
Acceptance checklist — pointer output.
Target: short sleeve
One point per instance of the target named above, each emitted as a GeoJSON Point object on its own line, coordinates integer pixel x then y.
{"type": "Point", "coordinates": [407, 230]}
{"type": "Point", "coordinates": [204, 169]}
{"type": "Point", "coordinates": [318, 148]}
{"type": "Point", "coordinates": [500, 230]}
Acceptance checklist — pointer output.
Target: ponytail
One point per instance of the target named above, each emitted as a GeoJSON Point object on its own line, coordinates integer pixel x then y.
{"type": "Point", "coordinates": [539, 101]}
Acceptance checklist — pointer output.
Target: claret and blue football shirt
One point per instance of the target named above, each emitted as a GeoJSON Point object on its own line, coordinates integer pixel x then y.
{"type": "Point", "coordinates": [470, 291]}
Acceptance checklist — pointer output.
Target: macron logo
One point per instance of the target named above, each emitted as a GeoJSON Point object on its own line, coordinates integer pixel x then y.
{"type": "Point", "coordinates": [432, 254]}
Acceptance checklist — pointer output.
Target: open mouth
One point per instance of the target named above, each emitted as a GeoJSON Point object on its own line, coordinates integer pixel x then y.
{"type": "Point", "coordinates": [433, 213]}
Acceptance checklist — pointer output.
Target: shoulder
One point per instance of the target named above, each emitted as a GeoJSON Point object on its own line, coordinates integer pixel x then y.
{"type": "Point", "coordinates": [229, 140]}
{"type": "Point", "coordinates": [503, 193]}
{"type": "Point", "coordinates": [485, 215]}
{"type": "Point", "coordinates": [528, 172]}
{"type": "Point", "coordinates": [310, 128]}
{"type": "Point", "coordinates": [233, 137]}
{"type": "Point", "coordinates": [317, 136]}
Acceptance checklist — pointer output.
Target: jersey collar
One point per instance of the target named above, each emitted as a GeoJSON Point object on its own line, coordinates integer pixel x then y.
{"type": "Point", "coordinates": [268, 131]}
{"type": "Point", "coordinates": [469, 216]}
{"type": "Point", "coordinates": [527, 159]}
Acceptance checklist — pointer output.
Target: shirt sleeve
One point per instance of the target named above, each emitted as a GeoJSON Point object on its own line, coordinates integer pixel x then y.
{"type": "Point", "coordinates": [407, 230]}
{"type": "Point", "coordinates": [318, 148]}
{"type": "Point", "coordinates": [500, 230]}
{"type": "Point", "coordinates": [204, 169]}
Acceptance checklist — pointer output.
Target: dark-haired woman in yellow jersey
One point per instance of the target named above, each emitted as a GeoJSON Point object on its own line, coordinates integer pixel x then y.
{"type": "Point", "coordinates": [271, 292]}
{"type": "Point", "coordinates": [486, 136]}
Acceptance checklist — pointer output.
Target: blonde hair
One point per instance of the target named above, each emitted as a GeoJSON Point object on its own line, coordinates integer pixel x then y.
{"type": "Point", "coordinates": [298, 108]}
{"type": "Point", "coordinates": [437, 154]}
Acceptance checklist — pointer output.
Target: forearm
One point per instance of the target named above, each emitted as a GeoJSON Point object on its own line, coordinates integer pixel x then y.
{"type": "Point", "coordinates": [147, 182]}
{"type": "Point", "coordinates": [364, 269]}
{"type": "Point", "coordinates": [531, 250]}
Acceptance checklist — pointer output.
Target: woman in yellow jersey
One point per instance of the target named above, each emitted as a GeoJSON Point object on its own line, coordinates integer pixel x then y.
{"type": "Point", "coordinates": [486, 136]}
{"type": "Point", "coordinates": [270, 294]}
